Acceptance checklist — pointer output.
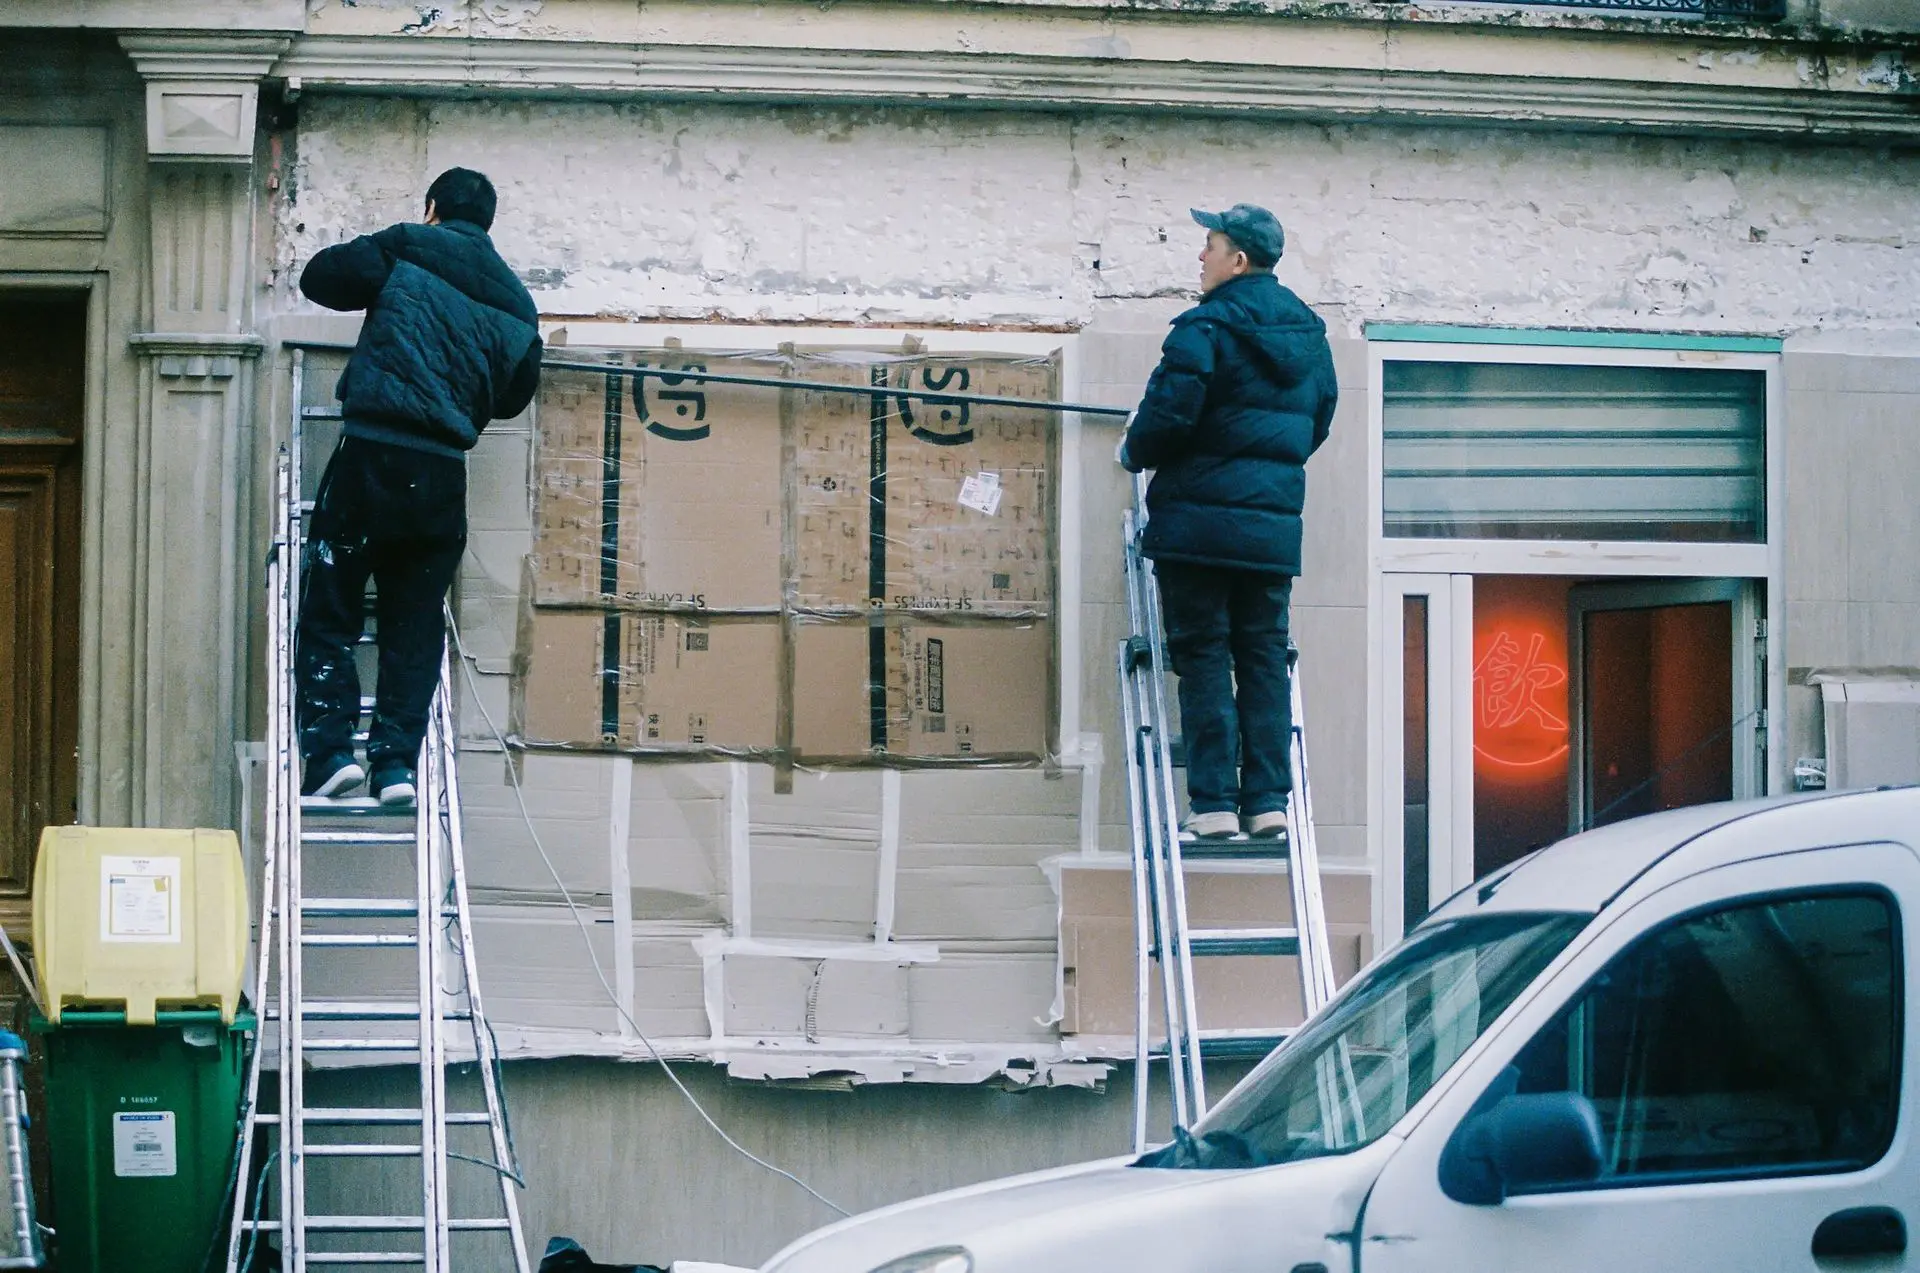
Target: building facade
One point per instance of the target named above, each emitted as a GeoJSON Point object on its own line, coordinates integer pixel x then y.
{"type": "Point", "coordinates": [1616, 513]}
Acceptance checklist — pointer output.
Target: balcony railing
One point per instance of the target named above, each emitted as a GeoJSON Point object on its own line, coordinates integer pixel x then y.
{"type": "Point", "coordinates": [1717, 10]}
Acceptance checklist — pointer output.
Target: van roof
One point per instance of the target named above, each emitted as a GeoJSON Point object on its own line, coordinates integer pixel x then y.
{"type": "Point", "coordinates": [1584, 872]}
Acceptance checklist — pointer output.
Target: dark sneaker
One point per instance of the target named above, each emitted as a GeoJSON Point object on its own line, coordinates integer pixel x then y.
{"type": "Point", "coordinates": [331, 776]}
{"type": "Point", "coordinates": [393, 784]}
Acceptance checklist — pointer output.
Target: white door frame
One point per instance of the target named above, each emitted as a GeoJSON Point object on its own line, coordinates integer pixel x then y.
{"type": "Point", "coordinates": [1759, 564]}
{"type": "Point", "coordinates": [1449, 742]}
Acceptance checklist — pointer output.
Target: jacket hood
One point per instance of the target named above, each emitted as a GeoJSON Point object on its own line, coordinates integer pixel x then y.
{"type": "Point", "coordinates": [1274, 327]}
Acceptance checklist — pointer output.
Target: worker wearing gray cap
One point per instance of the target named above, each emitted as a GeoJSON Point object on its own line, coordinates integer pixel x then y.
{"type": "Point", "coordinates": [1244, 393]}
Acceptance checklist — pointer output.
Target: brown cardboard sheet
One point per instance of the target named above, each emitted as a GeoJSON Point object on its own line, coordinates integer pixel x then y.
{"type": "Point", "coordinates": [643, 681]}
{"type": "Point", "coordinates": [964, 518]}
{"type": "Point", "coordinates": [1238, 992]}
{"type": "Point", "coordinates": [656, 490]}
{"type": "Point", "coordinates": [979, 689]}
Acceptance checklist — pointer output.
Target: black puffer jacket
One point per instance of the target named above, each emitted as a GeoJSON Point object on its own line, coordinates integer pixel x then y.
{"type": "Point", "coordinates": [1244, 393]}
{"type": "Point", "coordinates": [451, 339]}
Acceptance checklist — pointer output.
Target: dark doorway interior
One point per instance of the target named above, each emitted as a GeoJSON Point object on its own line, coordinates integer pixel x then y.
{"type": "Point", "coordinates": [1658, 709]}
{"type": "Point", "coordinates": [42, 403]}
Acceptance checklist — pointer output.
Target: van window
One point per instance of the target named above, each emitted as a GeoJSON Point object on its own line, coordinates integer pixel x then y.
{"type": "Point", "coordinates": [1757, 1039]}
{"type": "Point", "coordinates": [1358, 1067]}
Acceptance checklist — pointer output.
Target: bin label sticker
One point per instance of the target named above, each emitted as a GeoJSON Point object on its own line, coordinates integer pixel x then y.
{"type": "Point", "coordinates": [143, 1145]}
{"type": "Point", "coordinates": [139, 899]}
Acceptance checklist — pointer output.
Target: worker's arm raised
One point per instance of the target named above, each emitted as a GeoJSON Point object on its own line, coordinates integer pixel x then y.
{"type": "Point", "coordinates": [349, 276]}
{"type": "Point", "coordinates": [1175, 395]}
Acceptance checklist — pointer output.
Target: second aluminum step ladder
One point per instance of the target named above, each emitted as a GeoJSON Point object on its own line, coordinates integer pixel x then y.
{"type": "Point", "coordinates": [386, 938]}
{"type": "Point", "coordinates": [1163, 937]}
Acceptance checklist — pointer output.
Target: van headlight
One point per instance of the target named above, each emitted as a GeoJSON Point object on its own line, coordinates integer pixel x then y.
{"type": "Point", "coordinates": [946, 1259]}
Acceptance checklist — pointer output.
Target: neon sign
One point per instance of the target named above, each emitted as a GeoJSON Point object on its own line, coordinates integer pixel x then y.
{"type": "Point", "coordinates": [1519, 722]}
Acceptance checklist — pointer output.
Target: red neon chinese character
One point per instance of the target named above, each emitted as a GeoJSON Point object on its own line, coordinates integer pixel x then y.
{"type": "Point", "coordinates": [1509, 684]}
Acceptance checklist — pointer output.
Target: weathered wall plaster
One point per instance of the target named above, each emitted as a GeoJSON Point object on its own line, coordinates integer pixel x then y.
{"type": "Point", "coordinates": [1000, 218]}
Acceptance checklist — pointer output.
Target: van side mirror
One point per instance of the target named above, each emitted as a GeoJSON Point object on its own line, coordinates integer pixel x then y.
{"type": "Point", "coordinates": [1520, 1143]}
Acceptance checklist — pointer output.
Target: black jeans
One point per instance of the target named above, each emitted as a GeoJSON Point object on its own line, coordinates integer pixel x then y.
{"type": "Point", "coordinates": [399, 517]}
{"type": "Point", "coordinates": [1227, 640]}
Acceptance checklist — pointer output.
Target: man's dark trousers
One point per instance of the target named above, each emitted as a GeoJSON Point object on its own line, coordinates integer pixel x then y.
{"type": "Point", "coordinates": [1227, 641]}
{"type": "Point", "coordinates": [398, 516]}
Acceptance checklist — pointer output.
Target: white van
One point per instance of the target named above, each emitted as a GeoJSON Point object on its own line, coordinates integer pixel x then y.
{"type": "Point", "coordinates": [1678, 1043]}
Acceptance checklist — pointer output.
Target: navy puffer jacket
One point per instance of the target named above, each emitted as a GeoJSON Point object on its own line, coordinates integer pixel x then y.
{"type": "Point", "coordinates": [451, 340]}
{"type": "Point", "coordinates": [1244, 393]}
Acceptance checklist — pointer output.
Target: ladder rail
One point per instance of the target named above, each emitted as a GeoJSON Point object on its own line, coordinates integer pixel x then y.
{"type": "Point", "coordinates": [486, 1053]}
{"type": "Point", "coordinates": [442, 917]}
{"type": "Point", "coordinates": [1150, 750]}
{"type": "Point", "coordinates": [1162, 926]}
{"type": "Point", "coordinates": [271, 850]}
{"type": "Point", "coordinates": [432, 1061]}
{"type": "Point", "coordinates": [1142, 920]}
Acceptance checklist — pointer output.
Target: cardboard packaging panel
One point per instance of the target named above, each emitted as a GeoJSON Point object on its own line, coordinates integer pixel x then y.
{"type": "Point", "coordinates": [657, 490]}
{"type": "Point", "coordinates": [906, 504]}
{"type": "Point", "coordinates": [951, 690]}
{"type": "Point", "coordinates": [1241, 992]}
{"type": "Point", "coordinates": [977, 690]}
{"type": "Point", "coordinates": [669, 682]}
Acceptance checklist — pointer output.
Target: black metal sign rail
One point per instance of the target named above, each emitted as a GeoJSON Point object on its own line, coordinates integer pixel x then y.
{"type": "Point", "coordinates": [822, 386]}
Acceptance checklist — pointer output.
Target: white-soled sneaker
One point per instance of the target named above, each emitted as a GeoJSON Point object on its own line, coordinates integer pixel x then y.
{"type": "Point", "coordinates": [1223, 825]}
{"type": "Point", "coordinates": [1268, 826]}
{"type": "Point", "coordinates": [329, 778]}
{"type": "Point", "coordinates": [394, 786]}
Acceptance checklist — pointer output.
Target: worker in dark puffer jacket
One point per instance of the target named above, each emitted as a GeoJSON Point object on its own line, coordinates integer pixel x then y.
{"type": "Point", "coordinates": [451, 341]}
{"type": "Point", "coordinates": [1244, 393]}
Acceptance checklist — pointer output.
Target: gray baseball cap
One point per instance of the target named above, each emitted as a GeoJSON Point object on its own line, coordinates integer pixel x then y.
{"type": "Point", "coordinates": [1253, 230]}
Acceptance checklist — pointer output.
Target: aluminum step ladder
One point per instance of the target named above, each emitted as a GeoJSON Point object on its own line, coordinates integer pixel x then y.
{"type": "Point", "coordinates": [419, 1003]}
{"type": "Point", "coordinates": [1162, 933]}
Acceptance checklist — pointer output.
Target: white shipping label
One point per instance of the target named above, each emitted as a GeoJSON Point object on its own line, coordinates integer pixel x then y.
{"type": "Point", "coordinates": [981, 492]}
{"type": "Point", "coordinates": [139, 899]}
{"type": "Point", "coordinates": [143, 1144]}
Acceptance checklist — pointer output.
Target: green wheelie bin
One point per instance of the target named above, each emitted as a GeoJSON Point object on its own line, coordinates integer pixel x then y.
{"type": "Point", "coordinates": [142, 1122]}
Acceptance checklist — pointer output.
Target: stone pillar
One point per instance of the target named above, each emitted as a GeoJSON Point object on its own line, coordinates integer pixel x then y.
{"type": "Point", "coordinates": [198, 355]}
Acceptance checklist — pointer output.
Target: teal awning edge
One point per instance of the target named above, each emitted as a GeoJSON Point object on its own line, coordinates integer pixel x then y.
{"type": "Point", "coordinates": [1437, 334]}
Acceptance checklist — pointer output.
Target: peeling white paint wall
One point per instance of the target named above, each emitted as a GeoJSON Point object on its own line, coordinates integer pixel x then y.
{"type": "Point", "coordinates": [1007, 218]}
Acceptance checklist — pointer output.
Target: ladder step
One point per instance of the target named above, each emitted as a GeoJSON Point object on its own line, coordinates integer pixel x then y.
{"type": "Point", "coordinates": [365, 1257]}
{"type": "Point", "coordinates": [357, 908]}
{"type": "Point", "coordinates": [359, 1045]}
{"type": "Point", "coordinates": [362, 1151]}
{"type": "Point", "coordinates": [1239, 849]}
{"type": "Point", "coordinates": [320, 413]}
{"type": "Point", "coordinates": [1224, 1045]}
{"type": "Point", "coordinates": [356, 837]}
{"type": "Point", "coordinates": [351, 807]}
{"type": "Point", "coordinates": [384, 1117]}
{"type": "Point", "coordinates": [359, 941]}
{"type": "Point", "coordinates": [380, 1224]}
{"type": "Point", "coordinates": [364, 1010]}
{"type": "Point", "coordinates": [1244, 941]}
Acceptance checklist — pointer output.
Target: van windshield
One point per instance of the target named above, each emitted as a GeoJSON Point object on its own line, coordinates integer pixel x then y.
{"type": "Point", "coordinates": [1350, 1075]}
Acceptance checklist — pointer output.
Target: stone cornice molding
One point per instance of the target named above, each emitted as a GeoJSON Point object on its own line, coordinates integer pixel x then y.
{"type": "Point", "coordinates": [203, 55]}
{"type": "Point", "coordinates": [203, 91]}
{"type": "Point", "coordinates": [197, 344]}
{"type": "Point", "coordinates": [949, 79]}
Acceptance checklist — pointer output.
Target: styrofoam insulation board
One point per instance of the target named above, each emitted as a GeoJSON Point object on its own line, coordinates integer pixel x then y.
{"type": "Point", "coordinates": [986, 997]}
{"type": "Point", "coordinates": [815, 854]}
{"type": "Point", "coordinates": [971, 845]}
{"type": "Point", "coordinates": [567, 799]}
{"type": "Point", "coordinates": [768, 996]}
{"type": "Point", "coordinates": [535, 969]}
{"type": "Point", "coordinates": [669, 997]}
{"type": "Point", "coordinates": [677, 860]}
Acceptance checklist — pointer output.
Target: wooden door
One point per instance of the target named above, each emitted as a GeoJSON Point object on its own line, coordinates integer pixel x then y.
{"type": "Point", "coordinates": [42, 396]}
